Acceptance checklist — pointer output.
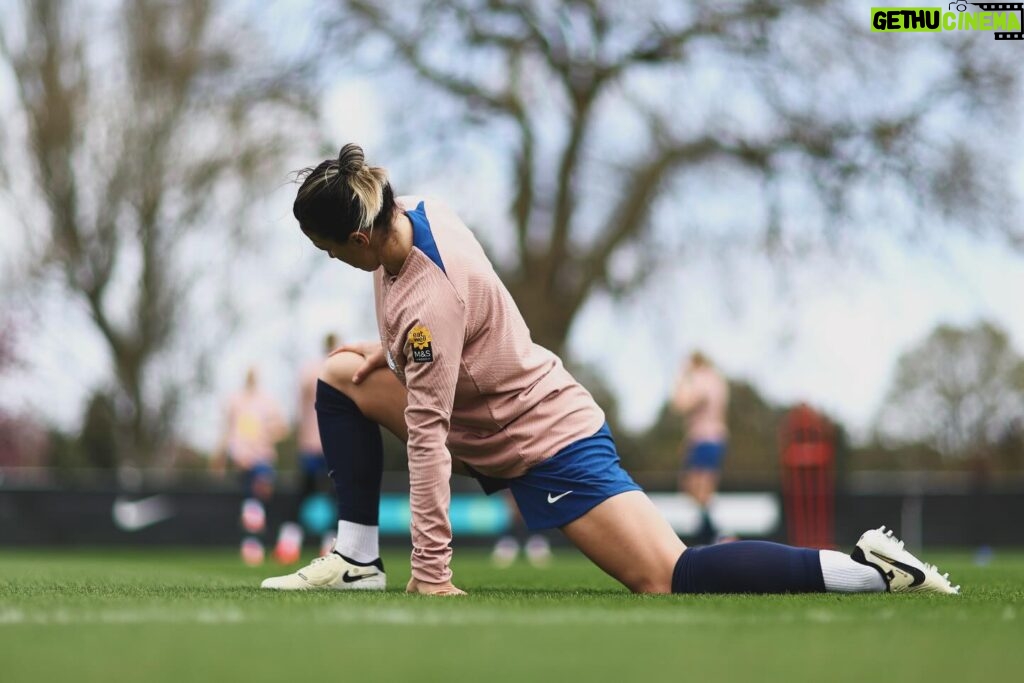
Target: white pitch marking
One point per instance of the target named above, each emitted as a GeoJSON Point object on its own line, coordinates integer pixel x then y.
{"type": "Point", "coordinates": [408, 616]}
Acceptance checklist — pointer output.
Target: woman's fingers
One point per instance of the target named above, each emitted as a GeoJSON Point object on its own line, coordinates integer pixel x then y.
{"type": "Point", "coordinates": [371, 362]}
{"type": "Point", "coordinates": [362, 348]}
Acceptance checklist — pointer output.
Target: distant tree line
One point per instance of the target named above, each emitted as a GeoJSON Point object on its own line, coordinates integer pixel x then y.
{"type": "Point", "coordinates": [956, 403]}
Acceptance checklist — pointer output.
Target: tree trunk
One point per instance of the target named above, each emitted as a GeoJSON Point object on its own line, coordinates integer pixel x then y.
{"type": "Point", "coordinates": [549, 314]}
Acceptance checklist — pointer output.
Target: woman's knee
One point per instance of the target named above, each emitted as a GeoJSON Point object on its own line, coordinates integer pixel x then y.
{"type": "Point", "coordinates": [338, 370]}
{"type": "Point", "coordinates": [628, 538]}
{"type": "Point", "coordinates": [659, 582]}
{"type": "Point", "coordinates": [379, 395]}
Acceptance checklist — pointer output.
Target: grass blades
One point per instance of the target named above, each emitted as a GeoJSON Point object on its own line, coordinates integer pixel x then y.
{"type": "Point", "coordinates": [164, 615]}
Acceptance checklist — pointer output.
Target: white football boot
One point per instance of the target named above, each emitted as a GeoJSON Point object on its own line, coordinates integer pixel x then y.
{"type": "Point", "coordinates": [333, 572]}
{"type": "Point", "coordinates": [903, 573]}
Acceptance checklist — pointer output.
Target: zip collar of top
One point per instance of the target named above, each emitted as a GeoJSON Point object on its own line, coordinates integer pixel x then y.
{"type": "Point", "coordinates": [422, 239]}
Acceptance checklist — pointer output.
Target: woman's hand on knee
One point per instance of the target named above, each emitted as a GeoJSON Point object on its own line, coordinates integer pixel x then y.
{"type": "Point", "coordinates": [362, 348]}
{"type": "Point", "coordinates": [424, 588]}
{"type": "Point", "coordinates": [374, 361]}
{"type": "Point", "coordinates": [373, 358]}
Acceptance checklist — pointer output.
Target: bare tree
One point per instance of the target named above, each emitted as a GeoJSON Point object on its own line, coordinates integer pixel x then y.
{"type": "Point", "coordinates": [961, 391]}
{"type": "Point", "coordinates": [146, 136]}
{"type": "Point", "coordinates": [8, 354]}
{"type": "Point", "coordinates": [22, 440]}
{"type": "Point", "coordinates": [611, 117]}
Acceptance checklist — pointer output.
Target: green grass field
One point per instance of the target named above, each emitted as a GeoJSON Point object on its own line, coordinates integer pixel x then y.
{"type": "Point", "coordinates": [180, 616]}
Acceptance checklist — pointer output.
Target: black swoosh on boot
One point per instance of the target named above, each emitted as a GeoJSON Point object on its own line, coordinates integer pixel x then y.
{"type": "Point", "coordinates": [913, 571]}
{"type": "Point", "coordinates": [348, 578]}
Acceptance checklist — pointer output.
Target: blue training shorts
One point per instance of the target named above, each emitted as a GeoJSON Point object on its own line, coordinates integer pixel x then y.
{"type": "Point", "coordinates": [706, 455]}
{"type": "Point", "coordinates": [566, 486]}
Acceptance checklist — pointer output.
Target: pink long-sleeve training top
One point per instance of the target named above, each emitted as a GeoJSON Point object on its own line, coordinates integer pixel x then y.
{"type": "Point", "coordinates": [476, 382]}
{"type": "Point", "coordinates": [703, 395]}
{"type": "Point", "coordinates": [254, 424]}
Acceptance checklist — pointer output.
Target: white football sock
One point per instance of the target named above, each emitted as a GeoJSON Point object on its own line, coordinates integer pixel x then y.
{"type": "Point", "coordinates": [358, 542]}
{"type": "Point", "coordinates": [843, 574]}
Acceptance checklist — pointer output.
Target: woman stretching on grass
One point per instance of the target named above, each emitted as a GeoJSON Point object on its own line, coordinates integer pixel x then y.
{"type": "Point", "coordinates": [470, 393]}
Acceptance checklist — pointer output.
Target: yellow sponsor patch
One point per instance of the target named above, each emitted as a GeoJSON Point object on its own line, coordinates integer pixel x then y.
{"type": "Point", "coordinates": [419, 339]}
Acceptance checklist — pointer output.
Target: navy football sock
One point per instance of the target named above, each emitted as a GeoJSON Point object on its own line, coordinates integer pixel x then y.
{"type": "Point", "coordinates": [748, 567]}
{"type": "Point", "coordinates": [354, 453]}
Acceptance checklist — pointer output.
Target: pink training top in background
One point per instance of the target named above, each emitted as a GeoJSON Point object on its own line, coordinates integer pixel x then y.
{"type": "Point", "coordinates": [703, 396]}
{"type": "Point", "coordinates": [477, 384]}
{"type": "Point", "coordinates": [254, 425]}
{"type": "Point", "coordinates": [308, 433]}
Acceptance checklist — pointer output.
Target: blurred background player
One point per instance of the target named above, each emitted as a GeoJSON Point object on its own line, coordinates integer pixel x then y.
{"type": "Point", "coordinates": [253, 424]}
{"type": "Point", "coordinates": [702, 397]}
{"type": "Point", "coordinates": [312, 466]}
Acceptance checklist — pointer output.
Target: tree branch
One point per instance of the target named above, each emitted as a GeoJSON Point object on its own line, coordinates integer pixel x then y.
{"type": "Point", "coordinates": [407, 46]}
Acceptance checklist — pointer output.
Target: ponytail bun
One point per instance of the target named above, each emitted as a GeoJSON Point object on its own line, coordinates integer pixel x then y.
{"type": "Point", "coordinates": [342, 195]}
{"type": "Point", "coordinates": [351, 159]}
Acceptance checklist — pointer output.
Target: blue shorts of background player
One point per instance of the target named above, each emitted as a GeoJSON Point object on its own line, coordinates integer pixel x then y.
{"type": "Point", "coordinates": [312, 463]}
{"type": "Point", "coordinates": [258, 481]}
{"type": "Point", "coordinates": [705, 455]}
{"type": "Point", "coordinates": [566, 486]}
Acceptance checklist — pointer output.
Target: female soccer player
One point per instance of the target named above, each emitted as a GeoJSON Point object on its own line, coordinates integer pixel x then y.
{"type": "Point", "coordinates": [253, 425]}
{"type": "Point", "coordinates": [470, 393]}
{"type": "Point", "coordinates": [702, 397]}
